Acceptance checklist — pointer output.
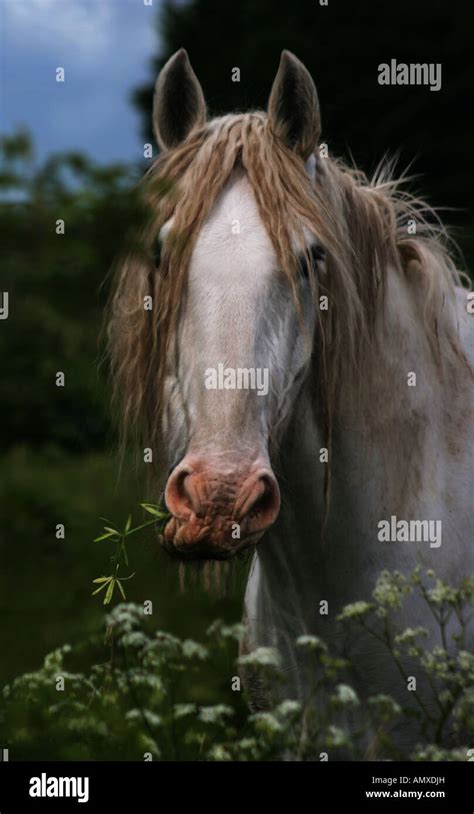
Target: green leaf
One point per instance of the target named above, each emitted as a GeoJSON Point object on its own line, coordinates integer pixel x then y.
{"type": "Point", "coordinates": [100, 588]}
{"type": "Point", "coordinates": [128, 524]}
{"type": "Point", "coordinates": [102, 579]}
{"type": "Point", "coordinates": [125, 555]}
{"type": "Point", "coordinates": [110, 592]}
{"type": "Point", "coordinates": [105, 536]}
{"type": "Point", "coordinates": [152, 508]}
{"type": "Point", "coordinates": [120, 588]}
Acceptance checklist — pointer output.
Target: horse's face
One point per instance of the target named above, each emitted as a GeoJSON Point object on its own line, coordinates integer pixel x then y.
{"type": "Point", "coordinates": [241, 353]}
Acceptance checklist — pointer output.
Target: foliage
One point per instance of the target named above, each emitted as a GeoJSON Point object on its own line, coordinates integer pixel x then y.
{"type": "Point", "coordinates": [45, 582]}
{"type": "Point", "coordinates": [120, 538]}
{"type": "Point", "coordinates": [145, 701]}
{"type": "Point", "coordinates": [443, 697]}
{"type": "Point", "coordinates": [58, 461]}
{"type": "Point", "coordinates": [56, 292]}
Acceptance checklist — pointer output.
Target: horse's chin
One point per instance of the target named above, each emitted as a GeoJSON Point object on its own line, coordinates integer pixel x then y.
{"type": "Point", "coordinates": [183, 542]}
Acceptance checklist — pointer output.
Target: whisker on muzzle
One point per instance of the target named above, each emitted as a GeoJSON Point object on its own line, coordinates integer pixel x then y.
{"type": "Point", "coordinates": [217, 578]}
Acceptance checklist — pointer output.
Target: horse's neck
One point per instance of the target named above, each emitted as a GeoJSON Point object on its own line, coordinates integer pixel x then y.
{"type": "Point", "coordinates": [390, 465]}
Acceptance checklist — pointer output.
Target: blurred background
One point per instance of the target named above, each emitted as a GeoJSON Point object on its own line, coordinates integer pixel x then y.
{"type": "Point", "coordinates": [73, 150]}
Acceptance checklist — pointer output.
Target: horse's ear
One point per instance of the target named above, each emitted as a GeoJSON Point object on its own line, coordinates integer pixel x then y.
{"type": "Point", "coordinates": [293, 107]}
{"type": "Point", "coordinates": [178, 104]}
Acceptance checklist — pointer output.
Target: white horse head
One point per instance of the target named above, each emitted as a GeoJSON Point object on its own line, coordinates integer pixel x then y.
{"type": "Point", "coordinates": [244, 335]}
{"type": "Point", "coordinates": [273, 270]}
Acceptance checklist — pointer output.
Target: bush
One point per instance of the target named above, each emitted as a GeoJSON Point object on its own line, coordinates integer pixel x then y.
{"type": "Point", "coordinates": [146, 699]}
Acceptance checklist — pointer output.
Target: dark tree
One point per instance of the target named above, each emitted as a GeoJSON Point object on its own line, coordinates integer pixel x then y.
{"type": "Point", "coordinates": [343, 44]}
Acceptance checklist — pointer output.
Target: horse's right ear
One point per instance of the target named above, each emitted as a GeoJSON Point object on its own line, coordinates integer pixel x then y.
{"type": "Point", "coordinates": [178, 103]}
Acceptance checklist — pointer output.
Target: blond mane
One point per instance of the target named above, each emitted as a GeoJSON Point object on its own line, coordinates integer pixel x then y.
{"type": "Point", "coordinates": [361, 223]}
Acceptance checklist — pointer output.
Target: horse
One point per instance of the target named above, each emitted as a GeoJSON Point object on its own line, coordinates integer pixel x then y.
{"type": "Point", "coordinates": [265, 259]}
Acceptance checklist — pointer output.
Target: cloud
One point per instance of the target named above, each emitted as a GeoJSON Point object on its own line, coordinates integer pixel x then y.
{"type": "Point", "coordinates": [105, 47]}
{"type": "Point", "coordinates": [82, 25]}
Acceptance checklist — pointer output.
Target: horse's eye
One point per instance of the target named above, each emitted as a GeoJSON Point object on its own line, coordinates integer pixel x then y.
{"type": "Point", "coordinates": [156, 252]}
{"type": "Point", "coordinates": [317, 254]}
{"type": "Point", "coordinates": [305, 266]}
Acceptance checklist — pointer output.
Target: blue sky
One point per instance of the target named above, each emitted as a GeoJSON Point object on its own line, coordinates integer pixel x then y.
{"type": "Point", "coordinates": [105, 47]}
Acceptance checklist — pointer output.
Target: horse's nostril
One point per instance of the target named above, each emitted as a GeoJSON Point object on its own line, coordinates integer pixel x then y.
{"type": "Point", "coordinates": [181, 498]}
{"type": "Point", "coordinates": [263, 503]}
{"type": "Point", "coordinates": [174, 465]}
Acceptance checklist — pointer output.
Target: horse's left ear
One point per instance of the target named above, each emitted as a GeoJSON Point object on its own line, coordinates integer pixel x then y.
{"type": "Point", "coordinates": [293, 107]}
{"type": "Point", "coordinates": [178, 104]}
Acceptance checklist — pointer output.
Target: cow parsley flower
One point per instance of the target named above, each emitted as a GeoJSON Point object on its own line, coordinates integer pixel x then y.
{"type": "Point", "coordinates": [215, 714]}
{"type": "Point", "coordinates": [288, 708]}
{"type": "Point", "coordinates": [346, 695]}
{"type": "Point", "coordinates": [194, 650]}
{"type": "Point", "coordinates": [183, 710]}
{"type": "Point", "coordinates": [261, 657]}
{"type": "Point", "coordinates": [311, 643]}
{"type": "Point", "coordinates": [356, 610]}
{"type": "Point", "coordinates": [267, 723]}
